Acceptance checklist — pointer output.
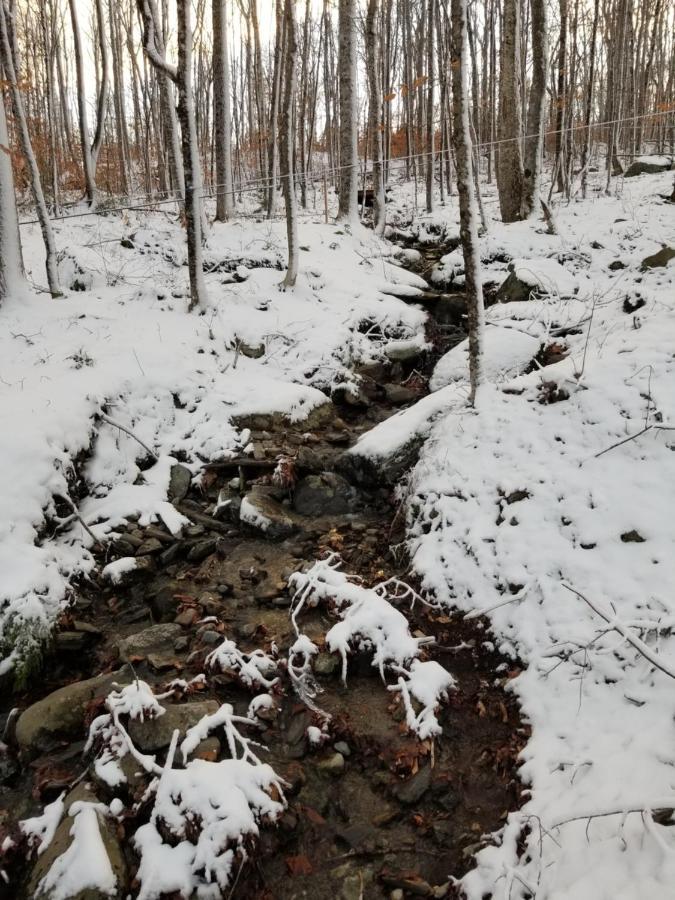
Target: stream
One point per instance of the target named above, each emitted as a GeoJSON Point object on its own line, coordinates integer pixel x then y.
{"type": "Point", "coordinates": [373, 813]}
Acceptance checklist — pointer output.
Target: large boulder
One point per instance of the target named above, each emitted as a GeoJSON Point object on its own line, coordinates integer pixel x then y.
{"type": "Point", "coordinates": [324, 494]}
{"type": "Point", "coordinates": [88, 870]}
{"type": "Point", "coordinates": [648, 165]}
{"type": "Point", "coordinates": [530, 278]}
{"type": "Point", "coordinates": [155, 734]}
{"type": "Point", "coordinates": [61, 714]}
{"type": "Point", "coordinates": [155, 644]}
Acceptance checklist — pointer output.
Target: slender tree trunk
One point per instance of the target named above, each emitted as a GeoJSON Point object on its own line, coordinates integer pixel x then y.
{"type": "Point", "coordinates": [375, 112]}
{"type": "Point", "coordinates": [11, 262]}
{"type": "Point", "coordinates": [222, 113]}
{"type": "Point", "coordinates": [561, 96]}
{"type": "Point", "coordinates": [287, 142]}
{"type": "Point", "coordinates": [431, 18]}
{"type": "Point", "coordinates": [273, 154]}
{"type": "Point", "coordinates": [535, 114]}
{"type": "Point", "coordinates": [586, 151]}
{"type": "Point", "coordinates": [7, 59]}
{"type": "Point", "coordinates": [468, 224]}
{"type": "Point", "coordinates": [347, 205]}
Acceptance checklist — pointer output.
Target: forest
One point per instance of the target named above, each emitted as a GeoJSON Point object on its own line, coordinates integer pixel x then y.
{"type": "Point", "coordinates": [337, 432]}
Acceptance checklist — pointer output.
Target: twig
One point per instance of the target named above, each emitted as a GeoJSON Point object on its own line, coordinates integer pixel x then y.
{"type": "Point", "coordinates": [663, 804]}
{"type": "Point", "coordinates": [619, 627]}
{"type": "Point", "coordinates": [79, 518]}
{"type": "Point", "coordinates": [631, 437]}
{"type": "Point", "coordinates": [130, 433]}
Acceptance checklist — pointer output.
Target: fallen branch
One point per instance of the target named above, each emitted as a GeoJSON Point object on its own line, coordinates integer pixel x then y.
{"type": "Point", "coordinates": [114, 424]}
{"type": "Point", "coordinates": [631, 437]}
{"type": "Point", "coordinates": [619, 627]}
{"type": "Point", "coordinates": [662, 804]}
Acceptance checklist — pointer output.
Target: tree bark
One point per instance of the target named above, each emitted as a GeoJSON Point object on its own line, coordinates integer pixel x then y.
{"type": "Point", "coordinates": [11, 262]}
{"type": "Point", "coordinates": [375, 112]}
{"type": "Point", "coordinates": [535, 113]}
{"type": "Point", "coordinates": [222, 113]}
{"type": "Point", "coordinates": [287, 142]}
{"type": "Point", "coordinates": [431, 17]}
{"type": "Point", "coordinates": [468, 224]}
{"type": "Point", "coordinates": [509, 158]}
{"type": "Point", "coordinates": [7, 59]}
{"type": "Point", "coordinates": [347, 202]}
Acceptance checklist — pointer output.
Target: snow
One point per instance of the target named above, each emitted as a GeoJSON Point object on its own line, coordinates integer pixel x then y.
{"type": "Point", "coordinates": [126, 347]}
{"type": "Point", "coordinates": [506, 351]}
{"type": "Point", "coordinates": [252, 669]}
{"type": "Point", "coordinates": [115, 571]}
{"type": "Point", "coordinates": [545, 275]}
{"type": "Point", "coordinates": [513, 503]}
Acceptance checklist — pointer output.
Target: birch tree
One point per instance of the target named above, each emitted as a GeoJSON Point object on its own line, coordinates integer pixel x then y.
{"type": "Point", "coordinates": [468, 217]}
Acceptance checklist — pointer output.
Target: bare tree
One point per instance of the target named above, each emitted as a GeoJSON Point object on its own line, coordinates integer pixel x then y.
{"type": "Point", "coordinates": [509, 157]}
{"type": "Point", "coordinates": [181, 75]}
{"type": "Point", "coordinates": [222, 113]}
{"type": "Point", "coordinates": [535, 113]}
{"type": "Point", "coordinates": [347, 200]}
{"type": "Point", "coordinates": [468, 219]}
{"type": "Point", "coordinates": [287, 142]}
{"type": "Point", "coordinates": [7, 59]}
{"type": "Point", "coordinates": [375, 125]}
{"type": "Point", "coordinates": [11, 263]}
{"type": "Point", "coordinates": [90, 149]}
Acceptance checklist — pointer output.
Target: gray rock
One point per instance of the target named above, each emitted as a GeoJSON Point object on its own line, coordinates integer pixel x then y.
{"type": "Point", "coordinates": [63, 839]}
{"type": "Point", "coordinates": [326, 664]}
{"type": "Point", "coordinates": [156, 642]}
{"type": "Point", "coordinates": [399, 394]}
{"type": "Point", "coordinates": [403, 351]}
{"type": "Point", "coordinates": [343, 748]}
{"type": "Point", "coordinates": [60, 715]}
{"type": "Point", "coordinates": [152, 545]}
{"type": "Point", "coordinates": [260, 510]}
{"type": "Point", "coordinates": [513, 290]}
{"type": "Point", "coordinates": [201, 550]}
{"type": "Point", "coordinates": [179, 483]}
{"type": "Point", "coordinates": [332, 765]}
{"type": "Point", "coordinates": [324, 494]}
{"type": "Point", "coordinates": [252, 351]}
{"type": "Point", "coordinates": [278, 421]}
{"type": "Point", "coordinates": [163, 600]}
{"type": "Point", "coordinates": [413, 789]}
{"type": "Point", "coordinates": [449, 309]}
{"type": "Point", "coordinates": [658, 259]}
{"type": "Point", "coordinates": [155, 734]}
{"type": "Point", "coordinates": [364, 470]}
{"type": "Point", "coordinates": [647, 167]}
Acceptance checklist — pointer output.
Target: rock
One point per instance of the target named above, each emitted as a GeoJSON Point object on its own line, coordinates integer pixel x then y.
{"type": "Point", "coordinates": [156, 642]}
{"type": "Point", "coordinates": [404, 350]}
{"type": "Point", "coordinates": [353, 885]}
{"type": "Point", "coordinates": [152, 545]}
{"type": "Point", "coordinates": [155, 734]}
{"type": "Point", "coordinates": [513, 290]}
{"type": "Point", "coordinates": [261, 511]}
{"type": "Point", "coordinates": [343, 748]}
{"type": "Point", "coordinates": [399, 394]}
{"type": "Point", "coordinates": [413, 789]}
{"type": "Point", "coordinates": [199, 551]}
{"type": "Point", "coordinates": [60, 715]}
{"type": "Point", "coordinates": [164, 600]}
{"type": "Point", "coordinates": [278, 421]}
{"type": "Point", "coordinates": [179, 483]}
{"type": "Point", "coordinates": [616, 265]}
{"type": "Point", "coordinates": [252, 351]}
{"type": "Point", "coordinates": [449, 309]}
{"type": "Point", "coordinates": [367, 471]}
{"type": "Point", "coordinates": [632, 537]}
{"type": "Point", "coordinates": [332, 765]}
{"type": "Point", "coordinates": [326, 664]}
{"type": "Point", "coordinates": [71, 641]}
{"type": "Point", "coordinates": [324, 494]}
{"type": "Point", "coordinates": [187, 617]}
{"type": "Point", "coordinates": [63, 839]}
{"type": "Point", "coordinates": [648, 166]}
{"type": "Point", "coordinates": [661, 258]}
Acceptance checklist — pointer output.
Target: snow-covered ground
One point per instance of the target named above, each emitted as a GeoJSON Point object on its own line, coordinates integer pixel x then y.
{"type": "Point", "coordinates": [548, 509]}
{"type": "Point", "coordinates": [126, 346]}
{"type": "Point", "coordinates": [528, 505]}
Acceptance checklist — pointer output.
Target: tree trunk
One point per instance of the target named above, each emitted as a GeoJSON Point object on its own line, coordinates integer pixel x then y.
{"type": "Point", "coordinates": [347, 202]}
{"type": "Point", "coordinates": [535, 113]}
{"type": "Point", "coordinates": [273, 155]}
{"type": "Point", "coordinates": [7, 59]}
{"type": "Point", "coordinates": [586, 151]}
{"type": "Point", "coordinates": [431, 16]}
{"type": "Point", "coordinates": [287, 142]}
{"type": "Point", "coordinates": [468, 225]}
{"type": "Point", "coordinates": [90, 149]}
{"type": "Point", "coordinates": [509, 158]}
{"type": "Point", "coordinates": [375, 112]}
{"type": "Point", "coordinates": [11, 262]}
{"type": "Point", "coordinates": [222, 114]}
